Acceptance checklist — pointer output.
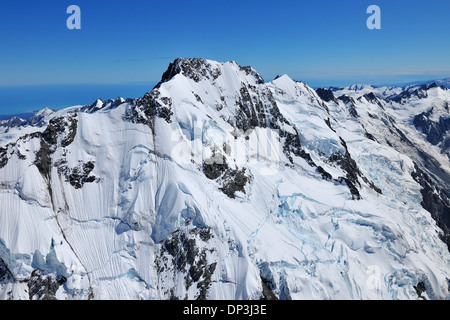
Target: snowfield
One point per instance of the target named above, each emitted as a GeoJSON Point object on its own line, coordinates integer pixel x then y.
{"type": "Point", "coordinates": [217, 185]}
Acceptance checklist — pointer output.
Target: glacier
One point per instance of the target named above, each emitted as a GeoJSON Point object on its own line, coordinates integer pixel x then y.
{"type": "Point", "coordinates": [218, 185]}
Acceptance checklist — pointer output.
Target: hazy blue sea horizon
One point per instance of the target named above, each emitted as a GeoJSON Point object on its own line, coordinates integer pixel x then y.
{"type": "Point", "coordinates": [25, 100]}
{"type": "Point", "coordinates": [30, 98]}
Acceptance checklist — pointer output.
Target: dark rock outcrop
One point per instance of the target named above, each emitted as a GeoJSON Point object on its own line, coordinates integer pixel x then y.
{"type": "Point", "coordinates": [434, 131]}
{"type": "Point", "coordinates": [44, 286]}
{"type": "Point", "coordinates": [230, 180]}
{"type": "Point", "coordinates": [436, 201]}
{"type": "Point", "coordinates": [326, 95]}
{"type": "Point", "coordinates": [78, 175]}
{"type": "Point", "coordinates": [60, 132]}
{"type": "Point", "coordinates": [186, 252]}
{"type": "Point", "coordinates": [192, 68]}
{"type": "Point", "coordinates": [151, 105]}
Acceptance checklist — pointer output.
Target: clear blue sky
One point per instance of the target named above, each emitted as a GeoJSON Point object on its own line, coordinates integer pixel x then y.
{"type": "Point", "coordinates": [321, 42]}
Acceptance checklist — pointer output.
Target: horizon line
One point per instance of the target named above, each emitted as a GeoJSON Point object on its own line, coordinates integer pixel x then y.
{"type": "Point", "coordinates": [387, 82]}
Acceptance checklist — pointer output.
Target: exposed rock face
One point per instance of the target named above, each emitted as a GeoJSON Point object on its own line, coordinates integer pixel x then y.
{"type": "Point", "coordinates": [78, 175]}
{"type": "Point", "coordinates": [436, 201]}
{"type": "Point", "coordinates": [230, 180]}
{"type": "Point", "coordinates": [435, 131]}
{"type": "Point", "coordinates": [44, 287]}
{"type": "Point", "coordinates": [13, 149]}
{"type": "Point", "coordinates": [195, 69]}
{"type": "Point", "coordinates": [5, 275]}
{"type": "Point", "coordinates": [151, 105]}
{"type": "Point", "coordinates": [267, 292]}
{"type": "Point", "coordinates": [3, 157]}
{"type": "Point", "coordinates": [185, 254]}
{"type": "Point", "coordinates": [346, 162]}
{"type": "Point", "coordinates": [326, 95]}
{"type": "Point", "coordinates": [59, 133]}
{"type": "Point", "coordinates": [350, 103]}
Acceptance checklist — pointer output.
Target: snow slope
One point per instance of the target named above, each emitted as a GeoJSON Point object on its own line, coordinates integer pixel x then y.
{"type": "Point", "coordinates": [214, 185]}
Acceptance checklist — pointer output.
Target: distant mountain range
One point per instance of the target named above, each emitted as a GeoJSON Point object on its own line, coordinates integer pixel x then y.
{"type": "Point", "coordinates": [388, 91]}
{"type": "Point", "coordinates": [23, 115]}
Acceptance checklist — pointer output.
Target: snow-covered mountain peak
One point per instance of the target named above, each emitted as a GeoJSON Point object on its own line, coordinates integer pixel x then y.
{"type": "Point", "coordinates": [283, 78]}
{"type": "Point", "coordinates": [203, 91]}
{"type": "Point", "coordinates": [193, 68]}
{"type": "Point", "coordinates": [216, 185]}
{"type": "Point", "coordinates": [369, 98]}
{"type": "Point", "coordinates": [198, 69]}
{"type": "Point", "coordinates": [44, 112]}
{"type": "Point", "coordinates": [287, 88]}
